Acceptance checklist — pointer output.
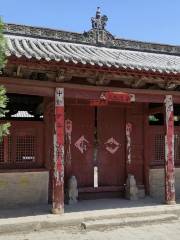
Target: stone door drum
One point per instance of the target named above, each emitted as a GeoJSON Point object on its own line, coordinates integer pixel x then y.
{"type": "Point", "coordinates": [111, 146]}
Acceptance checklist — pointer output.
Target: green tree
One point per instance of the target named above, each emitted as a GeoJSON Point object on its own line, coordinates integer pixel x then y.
{"type": "Point", "coordinates": [2, 46]}
{"type": "Point", "coordinates": [3, 98]}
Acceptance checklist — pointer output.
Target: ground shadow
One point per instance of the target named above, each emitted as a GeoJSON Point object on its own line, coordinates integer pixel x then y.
{"type": "Point", "coordinates": [23, 211]}
{"type": "Point", "coordinates": [81, 206]}
{"type": "Point", "coordinates": [113, 203]}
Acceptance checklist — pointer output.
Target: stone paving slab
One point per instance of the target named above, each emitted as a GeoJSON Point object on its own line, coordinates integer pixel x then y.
{"type": "Point", "coordinates": [127, 221]}
{"type": "Point", "coordinates": [24, 219]}
{"type": "Point", "coordinates": [161, 231]}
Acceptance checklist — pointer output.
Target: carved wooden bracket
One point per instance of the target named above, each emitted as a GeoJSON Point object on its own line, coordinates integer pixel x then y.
{"type": "Point", "coordinates": [63, 76]}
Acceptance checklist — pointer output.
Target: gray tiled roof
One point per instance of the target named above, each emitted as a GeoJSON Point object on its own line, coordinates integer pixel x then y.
{"type": "Point", "coordinates": [29, 47]}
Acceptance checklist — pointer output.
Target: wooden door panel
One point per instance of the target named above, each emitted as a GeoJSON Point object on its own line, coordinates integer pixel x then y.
{"type": "Point", "coordinates": [111, 146]}
{"type": "Point", "coordinates": [81, 163]}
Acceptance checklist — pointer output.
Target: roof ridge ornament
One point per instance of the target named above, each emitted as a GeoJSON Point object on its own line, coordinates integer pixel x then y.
{"type": "Point", "coordinates": [99, 21]}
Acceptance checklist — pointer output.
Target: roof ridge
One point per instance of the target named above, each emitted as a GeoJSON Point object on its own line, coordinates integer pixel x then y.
{"type": "Point", "coordinates": [93, 37]}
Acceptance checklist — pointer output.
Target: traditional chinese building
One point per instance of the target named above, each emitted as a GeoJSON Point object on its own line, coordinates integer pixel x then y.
{"type": "Point", "coordinates": [88, 105]}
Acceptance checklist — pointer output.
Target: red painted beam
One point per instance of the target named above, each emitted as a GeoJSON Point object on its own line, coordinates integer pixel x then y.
{"type": "Point", "coordinates": [77, 91]}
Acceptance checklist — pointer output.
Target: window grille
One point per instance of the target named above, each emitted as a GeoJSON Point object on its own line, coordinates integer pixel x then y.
{"type": "Point", "coordinates": [25, 149]}
{"type": "Point", "coordinates": [22, 148]}
{"type": "Point", "coordinates": [159, 149]}
{"type": "Point", "coordinates": [2, 152]}
{"type": "Point", "coordinates": [5, 153]}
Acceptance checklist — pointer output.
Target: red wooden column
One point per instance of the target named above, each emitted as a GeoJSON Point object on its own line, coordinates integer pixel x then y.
{"type": "Point", "coordinates": [169, 152]}
{"type": "Point", "coordinates": [58, 168]}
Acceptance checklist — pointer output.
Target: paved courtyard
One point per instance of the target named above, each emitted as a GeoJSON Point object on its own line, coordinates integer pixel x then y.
{"type": "Point", "coordinates": [164, 231]}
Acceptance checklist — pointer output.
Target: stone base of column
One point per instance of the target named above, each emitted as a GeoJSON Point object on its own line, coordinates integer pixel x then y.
{"type": "Point", "coordinates": [57, 210]}
{"type": "Point", "coordinates": [171, 202]}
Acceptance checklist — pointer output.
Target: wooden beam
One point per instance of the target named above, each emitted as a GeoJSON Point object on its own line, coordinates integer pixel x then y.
{"type": "Point", "coordinates": [142, 92]}
{"type": "Point", "coordinates": [78, 91]}
{"type": "Point", "coordinates": [30, 87]}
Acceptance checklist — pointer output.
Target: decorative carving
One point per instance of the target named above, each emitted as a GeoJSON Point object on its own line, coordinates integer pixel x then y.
{"type": "Point", "coordinates": [171, 86]}
{"type": "Point", "coordinates": [138, 83]}
{"type": "Point", "coordinates": [112, 145]}
{"type": "Point", "coordinates": [131, 188]}
{"type": "Point", "coordinates": [63, 76]}
{"type": "Point", "coordinates": [99, 79]}
{"type": "Point", "coordinates": [82, 144]}
{"type": "Point", "coordinates": [99, 22]}
{"type": "Point", "coordinates": [72, 190]}
{"type": "Point", "coordinates": [89, 38]}
{"type": "Point", "coordinates": [18, 72]}
{"type": "Point", "coordinates": [68, 133]}
{"type": "Point", "coordinates": [128, 141]}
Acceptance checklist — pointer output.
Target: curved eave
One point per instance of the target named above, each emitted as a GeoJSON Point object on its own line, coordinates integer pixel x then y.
{"type": "Point", "coordinates": [101, 57]}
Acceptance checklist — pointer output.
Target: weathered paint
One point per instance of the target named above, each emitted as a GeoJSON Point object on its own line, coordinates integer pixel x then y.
{"type": "Point", "coordinates": [128, 141]}
{"type": "Point", "coordinates": [107, 97]}
{"type": "Point", "coordinates": [118, 97]}
{"type": "Point", "coordinates": [134, 115]}
{"type": "Point", "coordinates": [169, 152]}
{"type": "Point", "coordinates": [68, 133]}
{"type": "Point", "coordinates": [58, 170]}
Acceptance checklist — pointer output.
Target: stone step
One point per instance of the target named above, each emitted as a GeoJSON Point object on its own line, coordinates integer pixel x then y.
{"type": "Point", "coordinates": [128, 215]}
{"type": "Point", "coordinates": [132, 212]}
{"type": "Point", "coordinates": [127, 221]}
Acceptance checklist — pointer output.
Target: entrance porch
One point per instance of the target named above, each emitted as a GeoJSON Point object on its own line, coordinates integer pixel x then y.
{"type": "Point", "coordinates": [105, 140]}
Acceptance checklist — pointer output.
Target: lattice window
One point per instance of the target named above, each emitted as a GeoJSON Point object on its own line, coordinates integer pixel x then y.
{"type": "Point", "coordinates": [5, 150]}
{"type": "Point", "coordinates": [25, 148]}
{"type": "Point", "coordinates": [158, 154]}
{"type": "Point", "coordinates": [159, 149]}
{"type": "Point", "coordinates": [2, 152]}
{"type": "Point", "coordinates": [9, 148]}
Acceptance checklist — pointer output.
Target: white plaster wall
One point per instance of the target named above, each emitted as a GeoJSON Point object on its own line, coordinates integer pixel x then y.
{"type": "Point", "coordinates": [23, 188]}
{"type": "Point", "coordinates": [156, 182]}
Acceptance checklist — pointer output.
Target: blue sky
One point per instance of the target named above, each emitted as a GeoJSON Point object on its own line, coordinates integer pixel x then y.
{"type": "Point", "coordinates": [146, 20]}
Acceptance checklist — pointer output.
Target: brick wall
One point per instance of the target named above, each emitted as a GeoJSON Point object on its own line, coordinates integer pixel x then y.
{"type": "Point", "coordinates": [156, 181]}
{"type": "Point", "coordinates": [23, 188]}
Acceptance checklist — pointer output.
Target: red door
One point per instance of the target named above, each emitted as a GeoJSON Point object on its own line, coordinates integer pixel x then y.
{"type": "Point", "coordinates": [111, 146]}
{"type": "Point", "coordinates": [97, 138]}
{"type": "Point", "coordinates": [79, 147]}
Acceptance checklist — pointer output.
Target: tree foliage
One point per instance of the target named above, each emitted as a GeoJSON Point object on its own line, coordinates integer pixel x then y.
{"type": "Point", "coordinates": [3, 98]}
{"type": "Point", "coordinates": [2, 46]}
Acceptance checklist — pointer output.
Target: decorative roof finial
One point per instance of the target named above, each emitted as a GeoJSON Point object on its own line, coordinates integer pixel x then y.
{"type": "Point", "coordinates": [99, 22]}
